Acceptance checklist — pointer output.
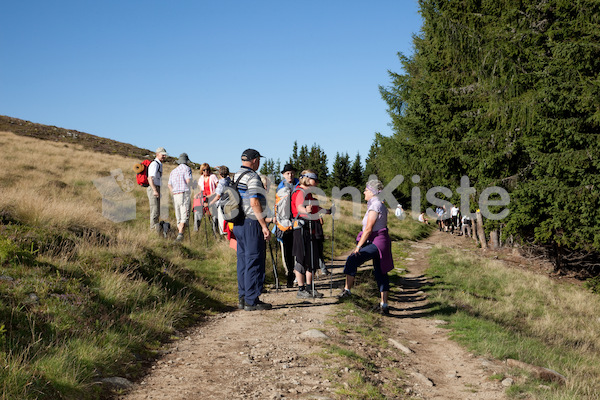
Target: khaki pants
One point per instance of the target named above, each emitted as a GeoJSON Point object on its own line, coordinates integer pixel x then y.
{"type": "Point", "coordinates": [154, 206]}
{"type": "Point", "coordinates": [181, 202]}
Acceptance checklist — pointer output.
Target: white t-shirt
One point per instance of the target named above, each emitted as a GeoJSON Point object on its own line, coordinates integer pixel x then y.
{"type": "Point", "coordinates": [155, 171]}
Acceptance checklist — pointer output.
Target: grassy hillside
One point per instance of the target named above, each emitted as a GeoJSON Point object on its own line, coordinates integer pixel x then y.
{"type": "Point", "coordinates": [83, 298]}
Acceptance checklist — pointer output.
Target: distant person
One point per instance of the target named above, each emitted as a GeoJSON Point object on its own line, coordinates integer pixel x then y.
{"type": "Point", "coordinates": [466, 226]}
{"type": "Point", "coordinates": [423, 218]}
{"type": "Point", "coordinates": [373, 243]}
{"type": "Point", "coordinates": [308, 237]}
{"type": "Point", "coordinates": [440, 213]}
{"type": "Point", "coordinates": [179, 185]}
{"type": "Point", "coordinates": [224, 181]}
{"type": "Point", "coordinates": [455, 215]}
{"type": "Point", "coordinates": [251, 234]}
{"type": "Point", "coordinates": [155, 170]}
{"type": "Point", "coordinates": [399, 211]}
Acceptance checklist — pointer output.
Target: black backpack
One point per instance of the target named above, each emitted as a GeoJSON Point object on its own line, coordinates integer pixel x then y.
{"type": "Point", "coordinates": [231, 202]}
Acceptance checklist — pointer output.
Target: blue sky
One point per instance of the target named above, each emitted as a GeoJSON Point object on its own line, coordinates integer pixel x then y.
{"type": "Point", "coordinates": [210, 78]}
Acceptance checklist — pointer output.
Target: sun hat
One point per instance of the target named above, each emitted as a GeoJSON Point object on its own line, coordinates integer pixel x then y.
{"type": "Point", "coordinates": [161, 150]}
{"type": "Point", "coordinates": [288, 167]}
{"type": "Point", "coordinates": [183, 159]}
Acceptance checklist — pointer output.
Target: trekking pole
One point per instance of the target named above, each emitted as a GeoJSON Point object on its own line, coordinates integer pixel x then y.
{"type": "Point", "coordinates": [205, 228]}
{"type": "Point", "coordinates": [332, 241]}
{"type": "Point", "coordinates": [274, 260]}
{"type": "Point", "coordinates": [188, 221]}
{"type": "Point", "coordinates": [312, 254]}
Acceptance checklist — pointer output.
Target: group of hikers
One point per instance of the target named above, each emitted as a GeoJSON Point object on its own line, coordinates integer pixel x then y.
{"type": "Point", "coordinates": [301, 238]}
{"type": "Point", "coordinates": [450, 219]}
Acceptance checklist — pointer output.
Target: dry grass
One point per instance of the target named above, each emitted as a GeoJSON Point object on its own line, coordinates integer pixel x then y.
{"type": "Point", "coordinates": [103, 290]}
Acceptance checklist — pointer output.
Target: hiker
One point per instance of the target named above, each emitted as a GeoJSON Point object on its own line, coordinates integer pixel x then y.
{"type": "Point", "coordinates": [155, 170]}
{"type": "Point", "coordinates": [251, 234]}
{"type": "Point", "coordinates": [399, 211]}
{"type": "Point", "coordinates": [224, 181]}
{"type": "Point", "coordinates": [423, 218]}
{"type": "Point", "coordinates": [307, 233]}
{"type": "Point", "coordinates": [207, 184]}
{"type": "Point", "coordinates": [455, 215]}
{"type": "Point", "coordinates": [289, 177]}
{"type": "Point", "coordinates": [179, 185]}
{"type": "Point", "coordinates": [373, 243]}
{"type": "Point", "coordinates": [284, 231]}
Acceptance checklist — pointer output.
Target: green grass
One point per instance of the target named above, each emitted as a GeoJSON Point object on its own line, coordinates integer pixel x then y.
{"type": "Point", "coordinates": [509, 313]}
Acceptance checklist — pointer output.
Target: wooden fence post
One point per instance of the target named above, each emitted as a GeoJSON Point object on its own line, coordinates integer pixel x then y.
{"type": "Point", "coordinates": [481, 231]}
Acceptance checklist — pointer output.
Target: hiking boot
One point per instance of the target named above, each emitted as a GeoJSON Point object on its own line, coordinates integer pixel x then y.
{"type": "Point", "coordinates": [345, 294]}
{"type": "Point", "coordinates": [378, 308]}
{"type": "Point", "coordinates": [303, 294]}
{"type": "Point", "coordinates": [241, 303]}
{"type": "Point", "coordinates": [258, 306]}
{"type": "Point", "coordinates": [325, 271]}
{"type": "Point", "coordinates": [315, 294]}
{"type": "Point", "coordinates": [179, 237]}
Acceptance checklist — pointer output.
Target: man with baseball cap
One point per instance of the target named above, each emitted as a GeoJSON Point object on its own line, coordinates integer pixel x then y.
{"type": "Point", "coordinates": [251, 234]}
{"type": "Point", "coordinates": [155, 170]}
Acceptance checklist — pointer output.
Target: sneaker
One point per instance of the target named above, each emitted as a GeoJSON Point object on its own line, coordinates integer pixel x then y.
{"type": "Point", "coordinates": [241, 303]}
{"type": "Point", "coordinates": [179, 238]}
{"type": "Point", "coordinates": [258, 306]}
{"type": "Point", "coordinates": [315, 294]}
{"type": "Point", "coordinates": [303, 294]}
{"type": "Point", "coordinates": [345, 294]}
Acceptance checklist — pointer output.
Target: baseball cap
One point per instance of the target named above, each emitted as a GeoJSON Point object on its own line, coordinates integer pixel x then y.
{"type": "Point", "coordinates": [250, 154]}
{"type": "Point", "coordinates": [161, 150]}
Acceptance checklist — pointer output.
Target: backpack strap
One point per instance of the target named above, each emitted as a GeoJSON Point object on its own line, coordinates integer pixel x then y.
{"type": "Point", "coordinates": [235, 183]}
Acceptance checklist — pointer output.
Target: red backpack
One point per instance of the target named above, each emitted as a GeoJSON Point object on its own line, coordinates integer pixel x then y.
{"type": "Point", "coordinates": [142, 172]}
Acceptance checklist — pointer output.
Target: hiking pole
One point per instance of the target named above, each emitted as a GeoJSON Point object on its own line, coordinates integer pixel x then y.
{"type": "Point", "coordinates": [274, 260]}
{"type": "Point", "coordinates": [312, 254]}
{"type": "Point", "coordinates": [188, 221]}
{"type": "Point", "coordinates": [332, 241]}
{"type": "Point", "coordinates": [205, 228]}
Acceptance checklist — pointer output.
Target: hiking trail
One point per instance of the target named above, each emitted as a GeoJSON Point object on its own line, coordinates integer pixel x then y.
{"type": "Point", "coordinates": [274, 354]}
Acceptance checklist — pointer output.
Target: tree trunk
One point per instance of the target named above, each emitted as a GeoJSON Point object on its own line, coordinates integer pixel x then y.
{"type": "Point", "coordinates": [481, 231]}
{"type": "Point", "coordinates": [494, 239]}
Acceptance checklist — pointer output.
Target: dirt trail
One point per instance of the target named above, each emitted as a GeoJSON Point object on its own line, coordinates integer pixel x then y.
{"type": "Point", "coordinates": [268, 355]}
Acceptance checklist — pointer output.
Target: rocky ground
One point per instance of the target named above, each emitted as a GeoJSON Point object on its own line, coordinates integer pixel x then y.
{"type": "Point", "coordinates": [278, 354]}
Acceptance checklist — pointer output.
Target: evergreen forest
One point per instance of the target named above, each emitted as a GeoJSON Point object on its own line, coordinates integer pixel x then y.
{"type": "Point", "coordinates": [507, 93]}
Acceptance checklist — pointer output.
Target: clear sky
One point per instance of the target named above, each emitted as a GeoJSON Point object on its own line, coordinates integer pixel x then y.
{"type": "Point", "coordinates": [210, 78]}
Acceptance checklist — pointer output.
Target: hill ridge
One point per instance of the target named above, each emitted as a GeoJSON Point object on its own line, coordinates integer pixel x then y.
{"type": "Point", "coordinates": [23, 127]}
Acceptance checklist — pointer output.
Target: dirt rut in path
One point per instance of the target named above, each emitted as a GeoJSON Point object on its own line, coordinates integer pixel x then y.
{"type": "Point", "coordinates": [274, 354]}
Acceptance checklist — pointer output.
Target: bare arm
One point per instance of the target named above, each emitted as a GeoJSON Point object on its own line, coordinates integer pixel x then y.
{"type": "Point", "coordinates": [258, 211]}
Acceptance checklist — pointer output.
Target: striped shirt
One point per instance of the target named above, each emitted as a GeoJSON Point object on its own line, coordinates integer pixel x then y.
{"type": "Point", "coordinates": [178, 178]}
{"type": "Point", "coordinates": [250, 186]}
